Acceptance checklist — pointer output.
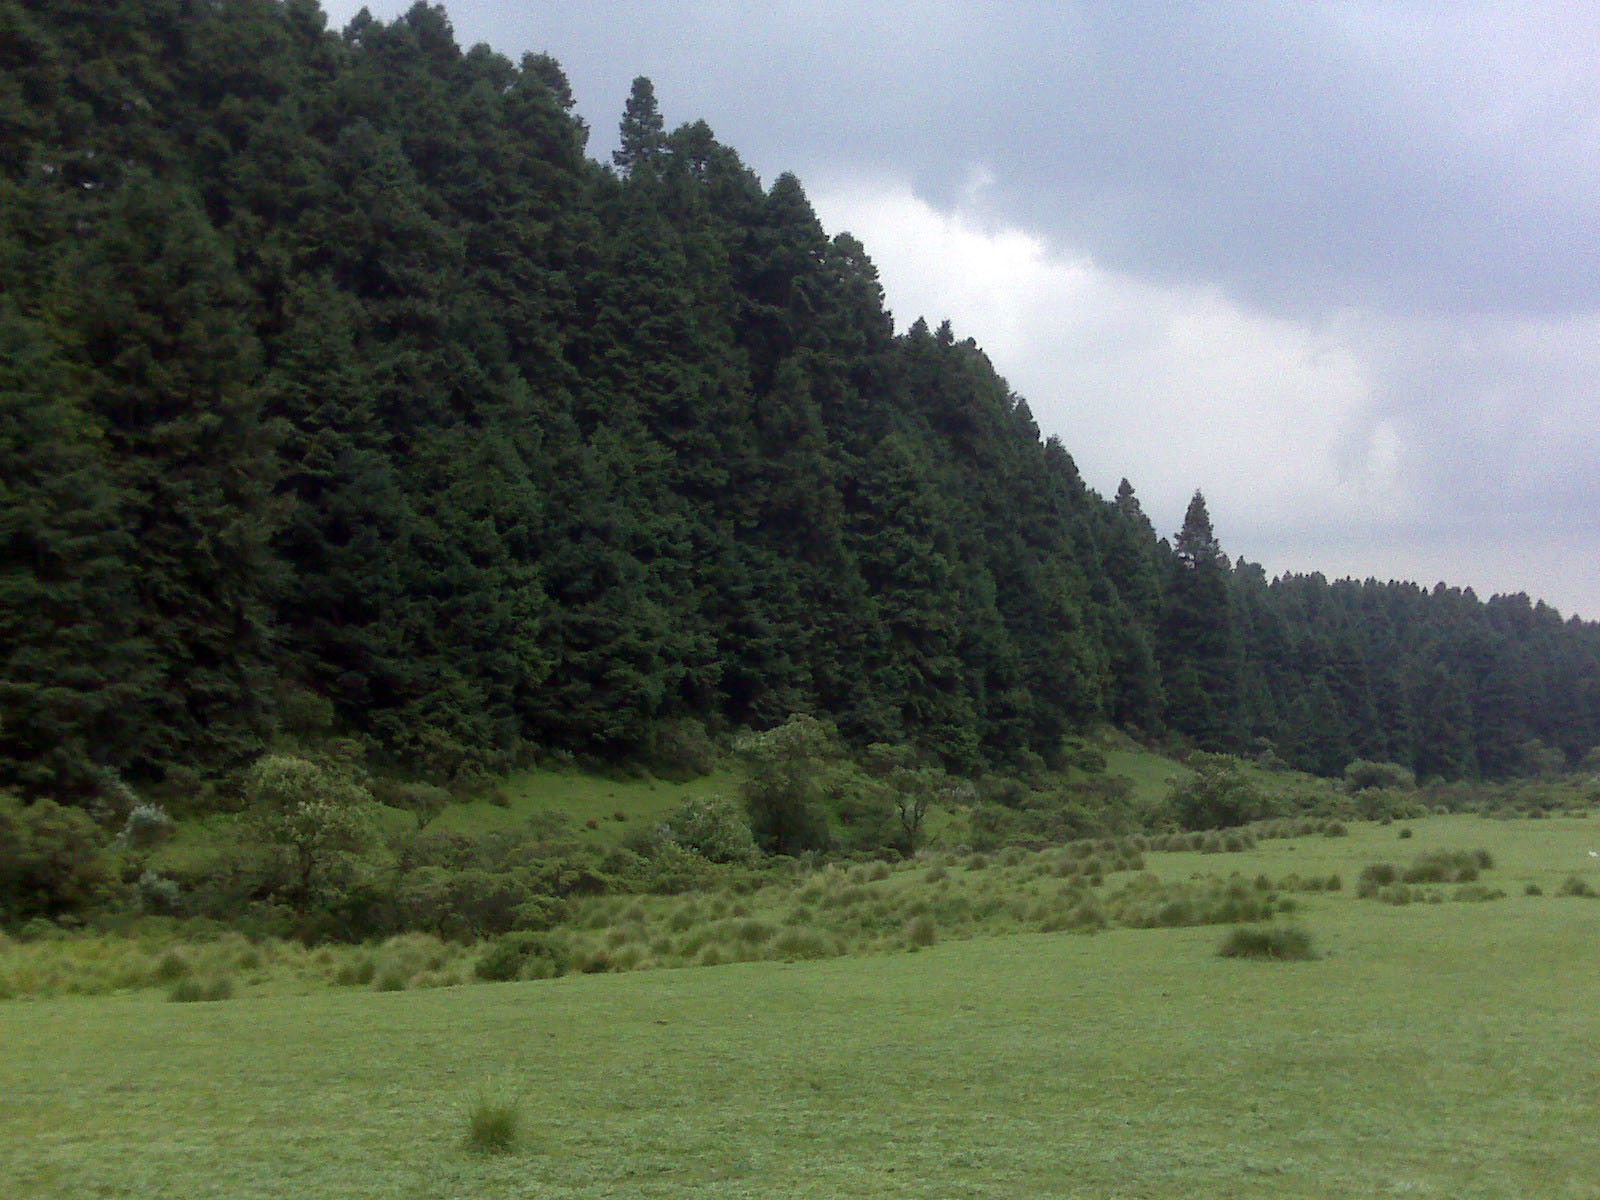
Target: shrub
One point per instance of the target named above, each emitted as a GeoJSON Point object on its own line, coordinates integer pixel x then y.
{"type": "Point", "coordinates": [1448, 866]}
{"type": "Point", "coordinates": [1575, 885]}
{"type": "Point", "coordinates": [522, 955]}
{"type": "Point", "coordinates": [1405, 832]}
{"type": "Point", "coordinates": [1217, 796]}
{"type": "Point", "coordinates": [713, 828]}
{"type": "Point", "coordinates": [50, 860]}
{"type": "Point", "coordinates": [1276, 943]}
{"type": "Point", "coordinates": [147, 825]}
{"type": "Point", "coordinates": [1533, 889]}
{"type": "Point", "coordinates": [680, 750]}
{"type": "Point", "coordinates": [494, 1120]}
{"type": "Point", "coordinates": [172, 965]}
{"type": "Point", "coordinates": [191, 990]}
{"type": "Point", "coordinates": [392, 978]}
{"type": "Point", "coordinates": [921, 931]}
{"type": "Point", "coordinates": [1361, 775]}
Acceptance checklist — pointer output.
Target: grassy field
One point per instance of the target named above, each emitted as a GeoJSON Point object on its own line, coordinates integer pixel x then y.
{"type": "Point", "coordinates": [1434, 1050]}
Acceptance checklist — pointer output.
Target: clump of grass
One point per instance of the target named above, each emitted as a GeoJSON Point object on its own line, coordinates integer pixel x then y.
{"type": "Point", "coordinates": [391, 979]}
{"type": "Point", "coordinates": [1448, 866]}
{"type": "Point", "coordinates": [1575, 885]}
{"type": "Point", "coordinates": [1405, 831]}
{"type": "Point", "coordinates": [190, 990]}
{"type": "Point", "coordinates": [172, 966]}
{"type": "Point", "coordinates": [356, 974]}
{"type": "Point", "coordinates": [1275, 943]}
{"type": "Point", "coordinates": [1533, 889]}
{"type": "Point", "coordinates": [494, 1121]}
{"type": "Point", "coordinates": [921, 931]}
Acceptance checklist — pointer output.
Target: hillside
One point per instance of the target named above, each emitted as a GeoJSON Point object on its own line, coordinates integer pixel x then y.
{"type": "Point", "coordinates": [345, 396]}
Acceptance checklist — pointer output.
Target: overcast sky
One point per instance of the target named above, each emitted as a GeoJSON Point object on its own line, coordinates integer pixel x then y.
{"type": "Point", "coordinates": [1336, 265]}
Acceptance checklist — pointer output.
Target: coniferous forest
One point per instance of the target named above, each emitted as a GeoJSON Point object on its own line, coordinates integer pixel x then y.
{"type": "Point", "coordinates": [340, 388]}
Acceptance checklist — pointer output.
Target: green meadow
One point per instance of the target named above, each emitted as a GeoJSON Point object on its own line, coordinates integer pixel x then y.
{"type": "Point", "coordinates": [1443, 1047]}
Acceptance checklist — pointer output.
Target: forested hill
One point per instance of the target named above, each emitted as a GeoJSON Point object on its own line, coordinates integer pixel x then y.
{"type": "Point", "coordinates": [342, 389]}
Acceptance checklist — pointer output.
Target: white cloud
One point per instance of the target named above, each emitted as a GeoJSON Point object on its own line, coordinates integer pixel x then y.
{"type": "Point", "coordinates": [1360, 444]}
{"type": "Point", "coordinates": [1176, 388]}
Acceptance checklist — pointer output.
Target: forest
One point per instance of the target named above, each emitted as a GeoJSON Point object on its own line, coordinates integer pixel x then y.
{"type": "Point", "coordinates": [342, 394]}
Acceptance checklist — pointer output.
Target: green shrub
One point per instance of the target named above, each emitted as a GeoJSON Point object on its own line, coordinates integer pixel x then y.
{"type": "Point", "coordinates": [171, 966]}
{"type": "Point", "coordinates": [1533, 889]}
{"type": "Point", "coordinates": [191, 990]}
{"type": "Point", "coordinates": [1217, 796]}
{"type": "Point", "coordinates": [356, 974]}
{"type": "Point", "coordinates": [921, 931]}
{"type": "Point", "coordinates": [713, 828]}
{"type": "Point", "coordinates": [1405, 832]}
{"type": "Point", "coordinates": [51, 863]}
{"type": "Point", "coordinates": [1575, 885]}
{"type": "Point", "coordinates": [522, 955]}
{"type": "Point", "coordinates": [1448, 866]}
{"type": "Point", "coordinates": [1276, 943]}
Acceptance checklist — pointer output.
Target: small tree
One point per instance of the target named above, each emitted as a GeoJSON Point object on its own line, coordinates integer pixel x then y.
{"type": "Point", "coordinates": [1217, 796]}
{"type": "Point", "coordinates": [784, 793]}
{"type": "Point", "coordinates": [914, 789]}
{"type": "Point", "coordinates": [316, 814]}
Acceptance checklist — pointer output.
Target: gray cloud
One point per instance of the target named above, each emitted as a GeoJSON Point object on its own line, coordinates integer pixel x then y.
{"type": "Point", "coordinates": [1438, 157]}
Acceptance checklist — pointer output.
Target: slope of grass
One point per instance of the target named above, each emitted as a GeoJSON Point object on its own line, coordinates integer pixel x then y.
{"type": "Point", "coordinates": [578, 797]}
{"type": "Point", "coordinates": [1439, 1051]}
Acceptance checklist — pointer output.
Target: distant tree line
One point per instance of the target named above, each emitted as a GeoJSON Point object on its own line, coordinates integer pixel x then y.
{"type": "Point", "coordinates": [341, 391]}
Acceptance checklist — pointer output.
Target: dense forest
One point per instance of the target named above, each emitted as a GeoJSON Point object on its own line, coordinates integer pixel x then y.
{"type": "Point", "coordinates": [340, 390]}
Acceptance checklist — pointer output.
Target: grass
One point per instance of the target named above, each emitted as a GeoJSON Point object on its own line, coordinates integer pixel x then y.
{"type": "Point", "coordinates": [494, 1120]}
{"type": "Point", "coordinates": [579, 797]}
{"type": "Point", "coordinates": [1435, 1051]}
{"type": "Point", "coordinates": [1275, 943]}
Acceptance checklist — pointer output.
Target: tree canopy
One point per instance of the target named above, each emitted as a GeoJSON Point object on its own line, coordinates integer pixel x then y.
{"type": "Point", "coordinates": [337, 380]}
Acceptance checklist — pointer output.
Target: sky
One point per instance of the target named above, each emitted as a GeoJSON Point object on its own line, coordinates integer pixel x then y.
{"type": "Point", "coordinates": [1335, 265]}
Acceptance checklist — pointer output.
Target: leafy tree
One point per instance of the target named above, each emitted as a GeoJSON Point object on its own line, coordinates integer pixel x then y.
{"type": "Point", "coordinates": [317, 815]}
{"type": "Point", "coordinates": [785, 791]}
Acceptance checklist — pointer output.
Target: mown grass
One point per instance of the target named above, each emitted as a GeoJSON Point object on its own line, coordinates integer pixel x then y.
{"type": "Point", "coordinates": [1434, 1051]}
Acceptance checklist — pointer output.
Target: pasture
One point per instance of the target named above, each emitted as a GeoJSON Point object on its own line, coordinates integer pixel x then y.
{"type": "Point", "coordinates": [1433, 1050]}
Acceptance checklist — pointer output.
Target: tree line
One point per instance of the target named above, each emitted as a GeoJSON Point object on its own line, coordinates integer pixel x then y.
{"type": "Point", "coordinates": [341, 391]}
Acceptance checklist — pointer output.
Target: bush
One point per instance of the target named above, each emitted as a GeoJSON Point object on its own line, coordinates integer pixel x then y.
{"type": "Point", "coordinates": [51, 863]}
{"type": "Point", "coordinates": [1448, 866]}
{"type": "Point", "coordinates": [147, 825]}
{"type": "Point", "coordinates": [1276, 943]}
{"type": "Point", "coordinates": [1361, 776]}
{"type": "Point", "coordinates": [1575, 885]}
{"type": "Point", "coordinates": [522, 955]}
{"type": "Point", "coordinates": [681, 750]}
{"type": "Point", "coordinates": [1376, 875]}
{"type": "Point", "coordinates": [1218, 796]}
{"type": "Point", "coordinates": [190, 990]}
{"type": "Point", "coordinates": [713, 828]}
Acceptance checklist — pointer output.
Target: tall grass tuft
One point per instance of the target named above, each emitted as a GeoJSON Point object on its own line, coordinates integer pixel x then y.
{"type": "Point", "coordinates": [494, 1121]}
{"type": "Point", "coordinates": [1276, 943]}
{"type": "Point", "coordinates": [191, 990]}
